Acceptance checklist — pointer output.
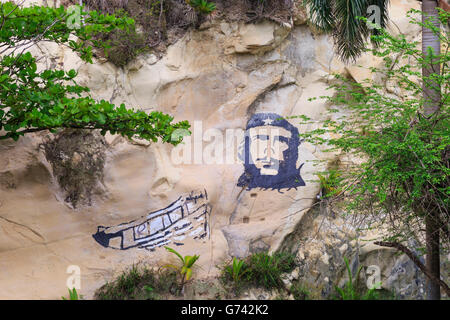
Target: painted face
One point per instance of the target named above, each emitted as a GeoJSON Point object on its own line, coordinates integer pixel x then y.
{"type": "Point", "coordinates": [267, 145]}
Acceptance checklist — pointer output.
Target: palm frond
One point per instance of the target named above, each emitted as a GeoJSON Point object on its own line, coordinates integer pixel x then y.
{"type": "Point", "coordinates": [350, 32]}
{"type": "Point", "coordinates": [321, 15]}
{"type": "Point", "coordinates": [340, 17]}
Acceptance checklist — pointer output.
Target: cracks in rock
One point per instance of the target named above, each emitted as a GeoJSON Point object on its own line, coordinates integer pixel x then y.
{"type": "Point", "coordinates": [114, 93]}
{"type": "Point", "coordinates": [259, 63]}
{"type": "Point", "coordinates": [57, 254]}
{"type": "Point", "coordinates": [238, 198]}
{"type": "Point", "coordinates": [273, 87]}
{"type": "Point", "coordinates": [253, 106]}
{"type": "Point", "coordinates": [27, 228]}
{"type": "Point", "coordinates": [116, 89]}
{"type": "Point", "coordinates": [45, 244]}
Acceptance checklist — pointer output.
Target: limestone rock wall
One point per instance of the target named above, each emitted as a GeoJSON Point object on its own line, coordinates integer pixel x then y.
{"type": "Point", "coordinates": [194, 198]}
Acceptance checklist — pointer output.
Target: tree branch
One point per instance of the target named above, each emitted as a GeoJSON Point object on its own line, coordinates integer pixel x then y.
{"type": "Point", "coordinates": [416, 261]}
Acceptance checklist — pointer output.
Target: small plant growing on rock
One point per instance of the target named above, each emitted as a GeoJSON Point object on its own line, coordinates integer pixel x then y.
{"type": "Point", "coordinates": [235, 272]}
{"type": "Point", "coordinates": [185, 269]}
{"type": "Point", "coordinates": [350, 290]}
{"type": "Point", "coordinates": [330, 183]}
{"type": "Point", "coordinates": [73, 295]}
{"type": "Point", "coordinates": [202, 6]}
{"type": "Point", "coordinates": [259, 270]}
{"type": "Point", "coordinates": [266, 270]}
{"type": "Point", "coordinates": [124, 46]}
{"type": "Point", "coordinates": [300, 292]}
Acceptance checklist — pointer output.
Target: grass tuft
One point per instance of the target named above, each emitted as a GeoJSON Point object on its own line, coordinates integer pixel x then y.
{"type": "Point", "coordinates": [258, 270]}
{"type": "Point", "coordinates": [139, 283]}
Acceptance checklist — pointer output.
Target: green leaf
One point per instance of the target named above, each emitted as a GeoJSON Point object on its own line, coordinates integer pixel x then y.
{"type": "Point", "coordinates": [188, 274]}
{"type": "Point", "coordinates": [176, 253]}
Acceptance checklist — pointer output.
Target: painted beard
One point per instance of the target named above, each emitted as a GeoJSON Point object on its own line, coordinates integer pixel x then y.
{"type": "Point", "coordinates": [268, 167]}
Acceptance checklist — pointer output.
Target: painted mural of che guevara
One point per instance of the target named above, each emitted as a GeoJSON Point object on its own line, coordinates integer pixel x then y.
{"type": "Point", "coordinates": [270, 154]}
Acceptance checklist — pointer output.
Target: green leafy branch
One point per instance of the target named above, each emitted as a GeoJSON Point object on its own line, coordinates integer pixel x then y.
{"type": "Point", "coordinates": [32, 100]}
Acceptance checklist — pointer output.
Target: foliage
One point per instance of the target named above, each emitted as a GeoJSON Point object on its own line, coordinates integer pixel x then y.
{"type": "Point", "coordinates": [73, 295]}
{"type": "Point", "coordinates": [266, 270]}
{"type": "Point", "coordinates": [402, 172]}
{"type": "Point", "coordinates": [259, 270]}
{"type": "Point", "coordinates": [123, 45]}
{"type": "Point", "coordinates": [202, 6]}
{"type": "Point", "coordinates": [329, 182]}
{"type": "Point", "coordinates": [186, 267]}
{"type": "Point", "coordinates": [162, 22]}
{"type": "Point", "coordinates": [300, 292]}
{"type": "Point", "coordinates": [235, 271]}
{"type": "Point", "coordinates": [340, 18]}
{"type": "Point", "coordinates": [350, 290]}
{"type": "Point", "coordinates": [138, 284]}
{"type": "Point", "coordinates": [33, 100]}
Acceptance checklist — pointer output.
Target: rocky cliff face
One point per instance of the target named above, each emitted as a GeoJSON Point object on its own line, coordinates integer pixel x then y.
{"type": "Point", "coordinates": [203, 197]}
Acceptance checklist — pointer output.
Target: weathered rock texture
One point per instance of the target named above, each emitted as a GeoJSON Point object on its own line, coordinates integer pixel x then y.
{"type": "Point", "coordinates": [217, 77]}
{"type": "Point", "coordinates": [325, 238]}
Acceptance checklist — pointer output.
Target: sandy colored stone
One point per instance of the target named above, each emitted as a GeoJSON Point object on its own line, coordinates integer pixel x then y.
{"type": "Point", "coordinates": [218, 77]}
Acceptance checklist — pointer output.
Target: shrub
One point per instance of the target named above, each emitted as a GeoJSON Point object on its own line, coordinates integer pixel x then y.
{"type": "Point", "coordinates": [395, 125]}
{"type": "Point", "coordinates": [124, 46]}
